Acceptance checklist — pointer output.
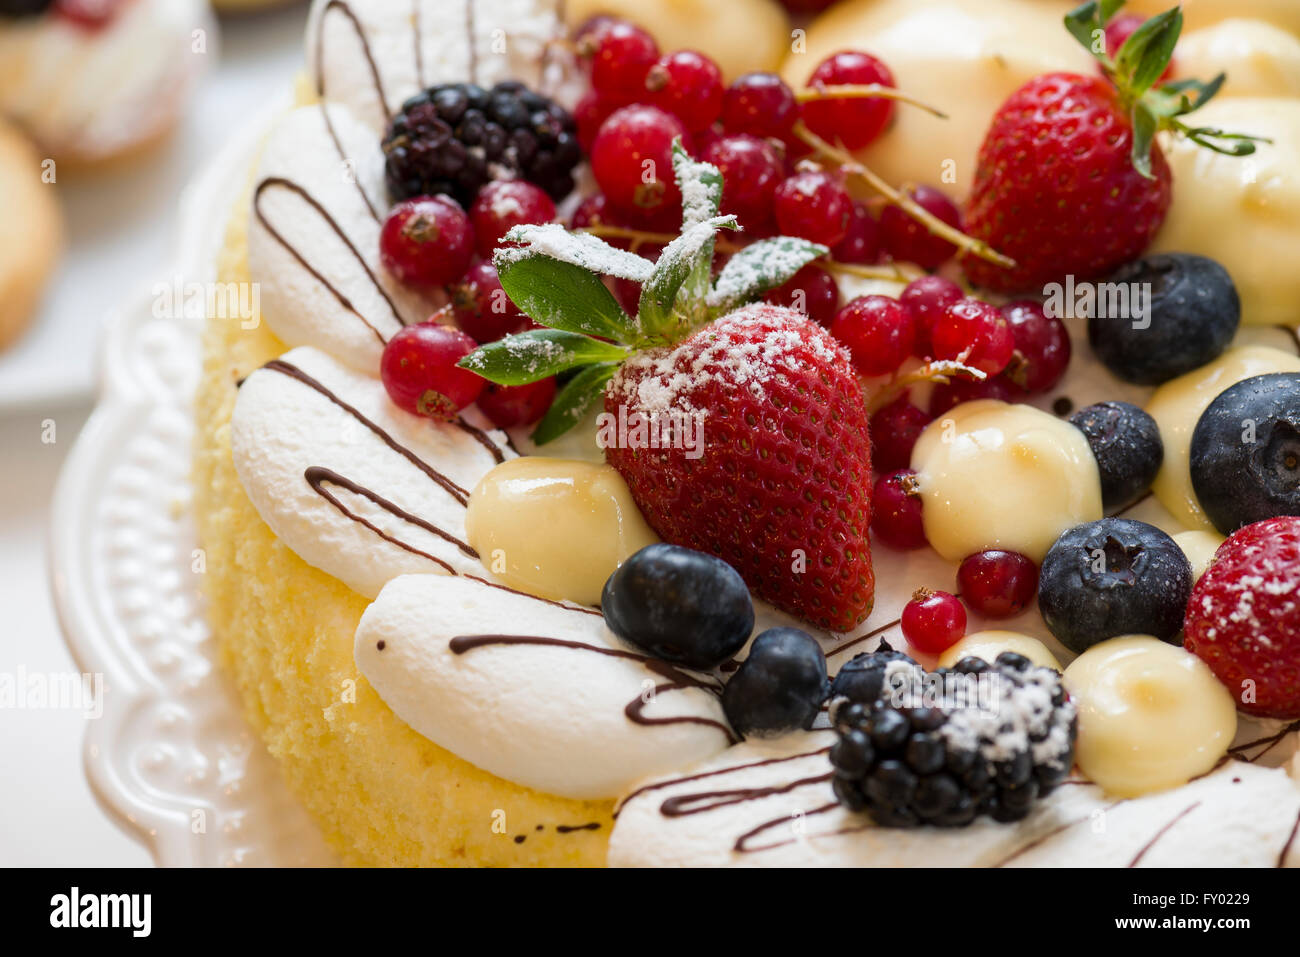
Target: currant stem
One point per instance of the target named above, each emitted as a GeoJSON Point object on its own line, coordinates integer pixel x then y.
{"type": "Point", "coordinates": [865, 91]}
{"type": "Point", "coordinates": [936, 226]}
{"type": "Point", "coordinates": [935, 370]}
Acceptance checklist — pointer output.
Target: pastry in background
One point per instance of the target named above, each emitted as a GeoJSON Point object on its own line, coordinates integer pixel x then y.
{"type": "Point", "coordinates": [31, 232]}
{"type": "Point", "coordinates": [94, 81]}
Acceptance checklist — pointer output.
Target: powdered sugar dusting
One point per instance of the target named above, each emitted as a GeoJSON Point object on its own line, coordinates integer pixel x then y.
{"type": "Point", "coordinates": [701, 187]}
{"type": "Point", "coordinates": [589, 252]}
{"type": "Point", "coordinates": [760, 267]}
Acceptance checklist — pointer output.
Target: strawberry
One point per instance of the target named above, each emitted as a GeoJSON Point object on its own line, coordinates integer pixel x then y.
{"type": "Point", "coordinates": [782, 491]}
{"type": "Point", "coordinates": [739, 428]}
{"type": "Point", "coordinates": [1243, 619]}
{"type": "Point", "coordinates": [1070, 180]}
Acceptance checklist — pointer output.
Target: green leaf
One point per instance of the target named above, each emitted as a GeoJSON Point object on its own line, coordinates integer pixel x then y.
{"type": "Point", "coordinates": [561, 295]}
{"type": "Point", "coordinates": [1082, 21]}
{"type": "Point", "coordinates": [538, 354]}
{"type": "Point", "coordinates": [573, 401]}
{"type": "Point", "coordinates": [590, 252]}
{"type": "Point", "coordinates": [760, 267]}
{"type": "Point", "coordinates": [681, 258]}
{"type": "Point", "coordinates": [700, 185]}
{"type": "Point", "coordinates": [1144, 132]}
{"type": "Point", "coordinates": [1238, 144]}
{"type": "Point", "coordinates": [1146, 53]}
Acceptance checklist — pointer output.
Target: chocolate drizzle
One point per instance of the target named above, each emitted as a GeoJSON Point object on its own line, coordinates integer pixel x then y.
{"type": "Point", "coordinates": [684, 805]}
{"type": "Point", "coordinates": [344, 301]}
{"type": "Point", "coordinates": [673, 782]}
{"type": "Point", "coordinates": [343, 7]}
{"type": "Point", "coordinates": [742, 845]}
{"type": "Point", "coordinates": [635, 710]}
{"type": "Point", "coordinates": [1295, 829]}
{"type": "Point", "coordinates": [1269, 742]}
{"type": "Point", "coordinates": [1161, 833]}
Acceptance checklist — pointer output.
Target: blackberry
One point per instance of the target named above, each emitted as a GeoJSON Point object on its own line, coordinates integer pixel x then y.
{"type": "Point", "coordinates": [24, 8]}
{"type": "Point", "coordinates": [457, 137]}
{"type": "Point", "coordinates": [863, 677]}
{"type": "Point", "coordinates": [945, 747]}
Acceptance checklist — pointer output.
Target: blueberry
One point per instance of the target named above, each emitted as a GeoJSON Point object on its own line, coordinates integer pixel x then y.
{"type": "Point", "coordinates": [1246, 452]}
{"type": "Point", "coordinates": [1194, 314]}
{"type": "Point", "coordinates": [1126, 444]}
{"type": "Point", "coordinates": [1113, 577]}
{"type": "Point", "coordinates": [680, 605]}
{"type": "Point", "coordinates": [781, 685]}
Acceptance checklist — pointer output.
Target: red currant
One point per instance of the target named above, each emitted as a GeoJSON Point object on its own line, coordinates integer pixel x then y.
{"type": "Point", "coordinates": [688, 85]}
{"type": "Point", "coordinates": [504, 204]}
{"type": "Point", "coordinates": [90, 14]}
{"type": "Point", "coordinates": [896, 511]}
{"type": "Point", "coordinates": [861, 245]}
{"type": "Point", "coordinates": [623, 55]}
{"type": "Point", "coordinates": [909, 241]}
{"type": "Point", "coordinates": [751, 170]}
{"type": "Point", "coordinates": [1123, 27]}
{"type": "Point", "coordinates": [978, 328]}
{"type": "Point", "coordinates": [632, 160]}
{"type": "Point", "coordinates": [481, 307]}
{"type": "Point", "coordinates": [592, 211]}
{"type": "Point", "coordinates": [590, 114]}
{"type": "Point", "coordinates": [877, 331]}
{"type": "Point", "coordinates": [997, 583]}
{"type": "Point", "coordinates": [427, 241]}
{"type": "Point", "coordinates": [511, 405]}
{"type": "Point", "coordinates": [894, 431]}
{"type": "Point", "coordinates": [1043, 345]}
{"type": "Point", "coordinates": [420, 372]}
{"type": "Point", "coordinates": [933, 621]}
{"type": "Point", "coordinates": [854, 121]}
{"type": "Point", "coordinates": [812, 291]}
{"type": "Point", "coordinates": [813, 205]}
{"type": "Point", "coordinates": [959, 390]}
{"type": "Point", "coordinates": [761, 105]}
{"type": "Point", "coordinates": [928, 298]}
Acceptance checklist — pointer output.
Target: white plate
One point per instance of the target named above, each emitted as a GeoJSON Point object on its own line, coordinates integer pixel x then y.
{"type": "Point", "coordinates": [172, 755]}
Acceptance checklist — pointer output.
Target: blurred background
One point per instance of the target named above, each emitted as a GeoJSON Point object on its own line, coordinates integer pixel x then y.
{"type": "Point", "coordinates": [120, 225]}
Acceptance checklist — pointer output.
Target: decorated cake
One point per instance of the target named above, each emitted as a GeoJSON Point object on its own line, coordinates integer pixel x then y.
{"type": "Point", "coordinates": [854, 436]}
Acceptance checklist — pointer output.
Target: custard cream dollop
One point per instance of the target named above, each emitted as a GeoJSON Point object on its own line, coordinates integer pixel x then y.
{"type": "Point", "coordinates": [994, 475]}
{"type": "Point", "coordinates": [556, 528]}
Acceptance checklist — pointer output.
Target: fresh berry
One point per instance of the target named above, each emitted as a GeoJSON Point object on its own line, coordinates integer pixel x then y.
{"type": "Point", "coordinates": [854, 122]}
{"type": "Point", "coordinates": [786, 464]}
{"type": "Point", "coordinates": [977, 331]}
{"type": "Point", "coordinates": [811, 291]}
{"type": "Point", "coordinates": [504, 204]}
{"type": "Point", "coordinates": [508, 406]}
{"type": "Point", "coordinates": [1120, 29]}
{"type": "Point", "coordinates": [906, 240]}
{"type": "Point", "coordinates": [896, 511]}
{"type": "Point", "coordinates": [1194, 313]}
{"type": "Point", "coordinates": [861, 245]}
{"type": "Point", "coordinates": [680, 605]}
{"type": "Point", "coordinates": [751, 170]}
{"type": "Point", "coordinates": [1255, 652]}
{"type": "Point", "coordinates": [586, 38]}
{"type": "Point", "coordinates": [457, 137]}
{"type": "Point", "coordinates": [88, 14]}
{"type": "Point", "coordinates": [761, 105]}
{"type": "Point", "coordinates": [948, 395]}
{"type": "Point", "coordinates": [1113, 577]}
{"type": "Point", "coordinates": [420, 372]}
{"type": "Point", "coordinates": [947, 747]}
{"type": "Point", "coordinates": [997, 583]}
{"type": "Point", "coordinates": [688, 85]}
{"type": "Point", "coordinates": [632, 159]}
{"type": "Point", "coordinates": [623, 55]}
{"type": "Point", "coordinates": [779, 687]}
{"type": "Point", "coordinates": [593, 211]}
{"type": "Point", "coordinates": [427, 241]}
{"type": "Point", "coordinates": [813, 205]}
{"type": "Point", "coordinates": [1126, 443]}
{"type": "Point", "coordinates": [589, 115]}
{"type": "Point", "coordinates": [862, 678]}
{"type": "Point", "coordinates": [928, 298]}
{"type": "Point", "coordinates": [933, 621]}
{"type": "Point", "coordinates": [878, 331]}
{"type": "Point", "coordinates": [1076, 127]}
{"type": "Point", "coordinates": [481, 307]}
{"type": "Point", "coordinates": [894, 431]}
{"type": "Point", "coordinates": [1042, 346]}
{"type": "Point", "coordinates": [1245, 457]}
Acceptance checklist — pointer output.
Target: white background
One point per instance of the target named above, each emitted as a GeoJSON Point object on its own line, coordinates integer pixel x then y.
{"type": "Point", "coordinates": [121, 227]}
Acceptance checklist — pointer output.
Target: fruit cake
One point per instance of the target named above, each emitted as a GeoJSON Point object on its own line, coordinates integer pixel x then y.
{"type": "Point", "coordinates": [624, 470]}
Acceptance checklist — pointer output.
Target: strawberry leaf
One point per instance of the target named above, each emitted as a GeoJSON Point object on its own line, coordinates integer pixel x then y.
{"type": "Point", "coordinates": [563, 295]}
{"type": "Point", "coordinates": [1087, 24]}
{"type": "Point", "coordinates": [577, 396]}
{"type": "Point", "coordinates": [1144, 134]}
{"type": "Point", "coordinates": [578, 249]}
{"type": "Point", "coordinates": [681, 258]}
{"type": "Point", "coordinates": [1147, 51]}
{"type": "Point", "coordinates": [538, 354]}
{"type": "Point", "coordinates": [760, 267]}
{"type": "Point", "coordinates": [700, 184]}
